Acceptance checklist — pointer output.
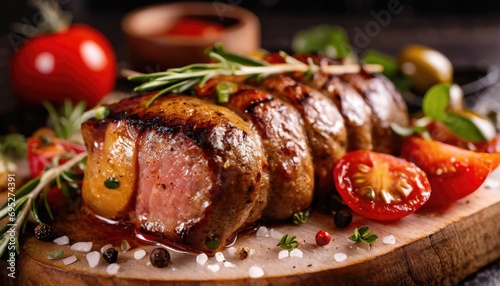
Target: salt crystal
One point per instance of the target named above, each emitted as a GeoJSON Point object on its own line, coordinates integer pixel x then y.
{"type": "Point", "coordinates": [283, 254]}
{"type": "Point", "coordinates": [62, 240]}
{"type": "Point", "coordinates": [213, 267]}
{"type": "Point", "coordinates": [201, 258]}
{"type": "Point", "coordinates": [255, 272]}
{"type": "Point", "coordinates": [390, 239]}
{"type": "Point", "coordinates": [231, 250]}
{"type": "Point", "coordinates": [106, 247]}
{"type": "Point", "coordinates": [82, 246]}
{"type": "Point", "coordinates": [219, 256]}
{"type": "Point", "coordinates": [339, 257]}
{"type": "Point", "coordinates": [68, 260]}
{"type": "Point", "coordinates": [93, 258]}
{"type": "Point", "coordinates": [112, 269]}
{"type": "Point", "coordinates": [139, 254]}
{"type": "Point", "coordinates": [228, 264]}
{"type": "Point", "coordinates": [262, 232]}
{"type": "Point", "coordinates": [296, 253]}
{"type": "Point", "coordinates": [275, 234]}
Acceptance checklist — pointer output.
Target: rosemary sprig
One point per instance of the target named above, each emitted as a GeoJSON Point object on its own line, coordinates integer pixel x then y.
{"type": "Point", "coordinates": [179, 80]}
{"type": "Point", "coordinates": [26, 202]}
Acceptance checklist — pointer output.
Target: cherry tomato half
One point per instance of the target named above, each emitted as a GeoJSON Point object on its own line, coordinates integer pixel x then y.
{"type": "Point", "coordinates": [380, 186]}
{"type": "Point", "coordinates": [77, 63]}
{"type": "Point", "coordinates": [453, 172]}
{"type": "Point", "coordinates": [43, 146]}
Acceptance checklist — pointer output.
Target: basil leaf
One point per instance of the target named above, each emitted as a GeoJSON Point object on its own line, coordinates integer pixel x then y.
{"type": "Point", "coordinates": [463, 127]}
{"type": "Point", "coordinates": [436, 101]}
{"type": "Point", "coordinates": [329, 40]}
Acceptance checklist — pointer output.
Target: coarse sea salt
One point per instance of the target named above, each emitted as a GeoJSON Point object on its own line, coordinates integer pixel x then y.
{"type": "Point", "coordinates": [262, 232]}
{"type": "Point", "coordinates": [213, 267]}
{"type": "Point", "coordinates": [283, 254]}
{"type": "Point", "coordinates": [201, 258]}
{"type": "Point", "coordinates": [390, 239]}
{"type": "Point", "coordinates": [82, 246]}
{"type": "Point", "coordinates": [228, 264]}
{"type": "Point", "coordinates": [275, 234]}
{"type": "Point", "coordinates": [139, 254]}
{"type": "Point", "coordinates": [62, 240]}
{"type": "Point", "coordinates": [339, 257]}
{"type": "Point", "coordinates": [68, 260]}
{"type": "Point", "coordinates": [255, 272]}
{"type": "Point", "coordinates": [231, 250]}
{"type": "Point", "coordinates": [113, 268]}
{"type": "Point", "coordinates": [219, 256]}
{"type": "Point", "coordinates": [296, 253]}
{"type": "Point", "coordinates": [93, 258]}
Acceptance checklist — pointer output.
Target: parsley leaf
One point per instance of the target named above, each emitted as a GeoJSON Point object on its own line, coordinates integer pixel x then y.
{"type": "Point", "coordinates": [301, 217]}
{"type": "Point", "coordinates": [288, 243]}
{"type": "Point", "coordinates": [363, 234]}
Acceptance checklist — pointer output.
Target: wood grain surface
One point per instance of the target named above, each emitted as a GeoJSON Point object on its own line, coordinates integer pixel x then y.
{"type": "Point", "coordinates": [430, 249]}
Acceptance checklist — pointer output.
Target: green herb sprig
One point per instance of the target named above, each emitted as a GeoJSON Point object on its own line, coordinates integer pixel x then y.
{"type": "Point", "coordinates": [182, 80]}
{"type": "Point", "coordinates": [364, 235]}
{"type": "Point", "coordinates": [33, 195]}
{"type": "Point", "coordinates": [435, 107]}
{"type": "Point", "coordinates": [288, 243]}
{"type": "Point", "coordinates": [28, 199]}
{"type": "Point", "coordinates": [301, 217]}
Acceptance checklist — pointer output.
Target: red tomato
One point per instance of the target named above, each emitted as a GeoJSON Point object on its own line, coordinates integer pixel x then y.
{"type": "Point", "coordinates": [380, 186]}
{"type": "Point", "coordinates": [43, 146]}
{"type": "Point", "coordinates": [77, 63]}
{"type": "Point", "coordinates": [453, 172]}
{"type": "Point", "coordinates": [441, 133]}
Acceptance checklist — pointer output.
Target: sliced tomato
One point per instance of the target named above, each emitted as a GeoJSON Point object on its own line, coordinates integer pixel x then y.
{"type": "Point", "coordinates": [441, 133]}
{"type": "Point", "coordinates": [380, 186]}
{"type": "Point", "coordinates": [452, 171]}
{"type": "Point", "coordinates": [43, 146]}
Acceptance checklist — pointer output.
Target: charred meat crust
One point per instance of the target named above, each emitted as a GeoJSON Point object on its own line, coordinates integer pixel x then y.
{"type": "Point", "coordinates": [385, 103]}
{"type": "Point", "coordinates": [323, 123]}
{"type": "Point", "coordinates": [229, 146]}
{"type": "Point", "coordinates": [281, 129]}
{"type": "Point", "coordinates": [285, 143]}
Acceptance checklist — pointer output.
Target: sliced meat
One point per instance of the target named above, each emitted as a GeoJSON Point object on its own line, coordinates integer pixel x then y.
{"type": "Point", "coordinates": [387, 106]}
{"type": "Point", "coordinates": [198, 167]}
{"type": "Point", "coordinates": [356, 112]}
{"type": "Point", "coordinates": [284, 140]}
{"type": "Point", "coordinates": [323, 123]}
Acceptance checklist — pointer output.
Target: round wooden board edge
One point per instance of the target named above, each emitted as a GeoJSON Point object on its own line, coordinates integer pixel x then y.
{"type": "Point", "coordinates": [444, 257]}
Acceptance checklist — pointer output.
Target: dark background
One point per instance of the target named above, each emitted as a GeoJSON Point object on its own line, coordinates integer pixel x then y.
{"type": "Point", "coordinates": [468, 32]}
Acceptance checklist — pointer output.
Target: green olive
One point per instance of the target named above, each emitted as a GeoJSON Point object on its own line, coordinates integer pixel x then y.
{"type": "Point", "coordinates": [425, 67]}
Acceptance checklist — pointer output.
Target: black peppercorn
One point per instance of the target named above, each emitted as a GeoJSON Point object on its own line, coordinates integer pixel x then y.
{"type": "Point", "coordinates": [43, 232]}
{"type": "Point", "coordinates": [110, 255]}
{"type": "Point", "coordinates": [160, 257]}
{"type": "Point", "coordinates": [342, 219]}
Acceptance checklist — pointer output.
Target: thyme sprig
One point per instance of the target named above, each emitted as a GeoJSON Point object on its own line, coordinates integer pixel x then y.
{"type": "Point", "coordinates": [180, 80]}
{"type": "Point", "coordinates": [363, 234]}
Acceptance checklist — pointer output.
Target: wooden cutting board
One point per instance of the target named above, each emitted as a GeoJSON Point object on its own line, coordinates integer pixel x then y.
{"type": "Point", "coordinates": [430, 249]}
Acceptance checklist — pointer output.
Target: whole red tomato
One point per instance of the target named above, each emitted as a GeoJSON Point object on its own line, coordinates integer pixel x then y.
{"type": "Point", "coordinates": [76, 63]}
{"type": "Point", "coordinates": [380, 186]}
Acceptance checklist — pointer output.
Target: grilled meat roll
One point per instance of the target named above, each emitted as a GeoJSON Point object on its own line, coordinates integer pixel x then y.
{"type": "Point", "coordinates": [284, 140]}
{"type": "Point", "coordinates": [187, 170]}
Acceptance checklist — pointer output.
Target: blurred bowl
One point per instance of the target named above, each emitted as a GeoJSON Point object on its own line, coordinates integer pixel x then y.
{"type": "Point", "coordinates": [151, 48]}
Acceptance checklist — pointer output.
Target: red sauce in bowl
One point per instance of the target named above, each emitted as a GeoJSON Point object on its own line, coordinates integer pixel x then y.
{"type": "Point", "coordinates": [192, 27]}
